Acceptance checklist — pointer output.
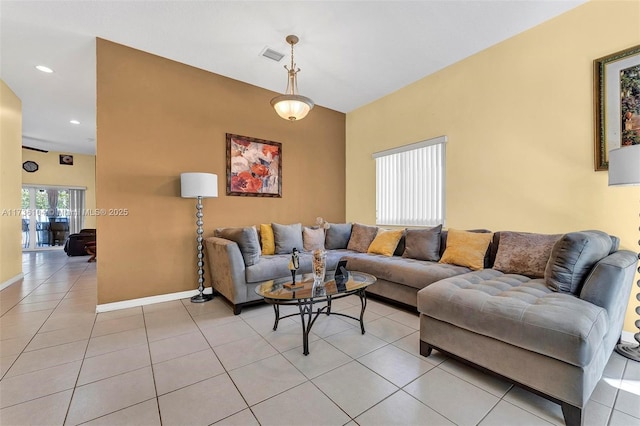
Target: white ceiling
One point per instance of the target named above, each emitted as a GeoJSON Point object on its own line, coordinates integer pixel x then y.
{"type": "Point", "coordinates": [350, 52]}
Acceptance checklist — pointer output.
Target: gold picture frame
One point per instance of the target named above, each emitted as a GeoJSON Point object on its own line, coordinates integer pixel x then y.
{"type": "Point", "coordinates": [616, 103]}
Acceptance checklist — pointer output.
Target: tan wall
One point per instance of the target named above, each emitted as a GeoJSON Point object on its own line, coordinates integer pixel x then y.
{"type": "Point", "coordinates": [50, 172]}
{"type": "Point", "coordinates": [158, 118]}
{"type": "Point", "coordinates": [519, 118]}
{"type": "Point", "coordinates": [10, 202]}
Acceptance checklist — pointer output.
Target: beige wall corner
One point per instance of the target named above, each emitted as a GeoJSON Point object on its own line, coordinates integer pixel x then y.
{"type": "Point", "coordinates": [10, 184]}
{"type": "Point", "coordinates": [519, 119]}
{"type": "Point", "coordinates": [158, 118]}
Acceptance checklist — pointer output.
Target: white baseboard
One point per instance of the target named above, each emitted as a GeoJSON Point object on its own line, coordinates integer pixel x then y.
{"type": "Point", "coordinates": [106, 307]}
{"type": "Point", "coordinates": [627, 337]}
{"type": "Point", "coordinates": [11, 281]}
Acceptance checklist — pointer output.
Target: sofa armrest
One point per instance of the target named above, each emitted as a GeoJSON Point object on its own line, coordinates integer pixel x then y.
{"type": "Point", "coordinates": [608, 285]}
{"type": "Point", "coordinates": [226, 269]}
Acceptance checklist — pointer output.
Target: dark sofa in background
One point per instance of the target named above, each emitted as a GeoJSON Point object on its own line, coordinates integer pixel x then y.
{"type": "Point", "coordinates": [75, 243]}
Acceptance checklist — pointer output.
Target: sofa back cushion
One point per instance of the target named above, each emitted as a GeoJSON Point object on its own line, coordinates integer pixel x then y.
{"type": "Point", "coordinates": [385, 242]}
{"type": "Point", "coordinates": [524, 253]}
{"type": "Point", "coordinates": [337, 236]}
{"type": "Point", "coordinates": [312, 238]}
{"type": "Point", "coordinates": [361, 237]}
{"type": "Point", "coordinates": [286, 237]}
{"type": "Point", "coordinates": [247, 240]}
{"type": "Point", "coordinates": [423, 244]}
{"type": "Point", "coordinates": [465, 248]}
{"type": "Point", "coordinates": [572, 257]}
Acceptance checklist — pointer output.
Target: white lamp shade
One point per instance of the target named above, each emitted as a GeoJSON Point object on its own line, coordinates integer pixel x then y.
{"type": "Point", "coordinates": [193, 185]}
{"type": "Point", "coordinates": [624, 165]}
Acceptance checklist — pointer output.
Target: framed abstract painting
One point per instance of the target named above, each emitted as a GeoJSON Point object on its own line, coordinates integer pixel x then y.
{"type": "Point", "coordinates": [617, 103]}
{"type": "Point", "coordinates": [254, 167]}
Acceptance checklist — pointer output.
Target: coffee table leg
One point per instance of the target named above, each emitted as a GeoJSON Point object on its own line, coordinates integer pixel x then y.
{"type": "Point", "coordinates": [363, 302]}
{"type": "Point", "coordinates": [306, 308]}
{"type": "Point", "coordinates": [328, 305]}
{"type": "Point", "coordinates": [276, 309]}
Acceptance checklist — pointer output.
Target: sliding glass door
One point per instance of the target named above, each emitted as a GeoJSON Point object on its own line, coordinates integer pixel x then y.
{"type": "Point", "coordinates": [49, 215]}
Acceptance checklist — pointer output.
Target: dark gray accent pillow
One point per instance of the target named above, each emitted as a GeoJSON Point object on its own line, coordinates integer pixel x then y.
{"type": "Point", "coordinates": [401, 244]}
{"type": "Point", "coordinates": [287, 237]}
{"type": "Point", "coordinates": [337, 236]}
{"type": "Point", "coordinates": [361, 237]}
{"type": "Point", "coordinates": [524, 253]}
{"type": "Point", "coordinates": [572, 257]}
{"type": "Point", "coordinates": [247, 240]}
{"type": "Point", "coordinates": [423, 244]}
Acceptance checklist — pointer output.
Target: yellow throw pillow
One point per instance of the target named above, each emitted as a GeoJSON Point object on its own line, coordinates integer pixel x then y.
{"type": "Point", "coordinates": [385, 242]}
{"type": "Point", "coordinates": [466, 248]}
{"type": "Point", "coordinates": [267, 239]}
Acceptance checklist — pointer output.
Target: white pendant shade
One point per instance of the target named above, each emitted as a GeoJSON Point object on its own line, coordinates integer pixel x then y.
{"type": "Point", "coordinates": [193, 185]}
{"type": "Point", "coordinates": [624, 165]}
{"type": "Point", "coordinates": [292, 107]}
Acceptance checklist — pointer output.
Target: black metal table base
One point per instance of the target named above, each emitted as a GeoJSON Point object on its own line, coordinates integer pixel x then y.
{"type": "Point", "coordinates": [308, 315]}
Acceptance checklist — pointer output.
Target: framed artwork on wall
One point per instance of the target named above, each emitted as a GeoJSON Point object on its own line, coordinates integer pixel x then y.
{"type": "Point", "coordinates": [254, 167]}
{"type": "Point", "coordinates": [617, 103]}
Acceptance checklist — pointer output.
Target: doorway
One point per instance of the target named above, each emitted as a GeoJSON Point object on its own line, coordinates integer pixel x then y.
{"type": "Point", "coordinates": [49, 215]}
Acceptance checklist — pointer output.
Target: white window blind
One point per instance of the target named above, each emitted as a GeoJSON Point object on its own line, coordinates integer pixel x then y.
{"type": "Point", "coordinates": [410, 184]}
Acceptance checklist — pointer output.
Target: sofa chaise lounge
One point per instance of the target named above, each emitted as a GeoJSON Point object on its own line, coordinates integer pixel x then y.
{"type": "Point", "coordinates": [552, 334]}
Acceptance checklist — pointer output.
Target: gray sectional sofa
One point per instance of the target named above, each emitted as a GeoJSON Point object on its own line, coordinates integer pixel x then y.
{"type": "Point", "coordinates": [236, 266]}
{"type": "Point", "coordinates": [542, 311]}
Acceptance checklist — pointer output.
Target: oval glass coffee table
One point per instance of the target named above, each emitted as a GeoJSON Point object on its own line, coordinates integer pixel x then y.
{"type": "Point", "coordinates": [280, 292]}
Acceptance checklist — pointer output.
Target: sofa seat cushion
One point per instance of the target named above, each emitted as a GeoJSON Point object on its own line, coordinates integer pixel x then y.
{"type": "Point", "coordinates": [520, 311]}
{"type": "Point", "coordinates": [277, 265]}
{"type": "Point", "coordinates": [410, 272]}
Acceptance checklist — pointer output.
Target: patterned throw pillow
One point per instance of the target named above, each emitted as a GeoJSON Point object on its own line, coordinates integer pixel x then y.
{"type": "Point", "coordinates": [312, 238]}
{"type": "Point", "coordinates": [524, 253]}
{"type": "Point", "coordinates": [385, 242]}
{"type": "Point", "coordinates": [361, 237]}
{"type": "Point", "coordinates": [466, 248]}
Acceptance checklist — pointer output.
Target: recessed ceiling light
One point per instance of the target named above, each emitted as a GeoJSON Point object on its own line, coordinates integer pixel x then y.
{"type": "Point", "coordinates": [44, 69]}
{"type": "Point", "coordinates": [74, 122]}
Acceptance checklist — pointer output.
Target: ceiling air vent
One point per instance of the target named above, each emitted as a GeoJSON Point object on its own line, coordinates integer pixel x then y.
{"type": "Point", "coordinates": [272, 54]}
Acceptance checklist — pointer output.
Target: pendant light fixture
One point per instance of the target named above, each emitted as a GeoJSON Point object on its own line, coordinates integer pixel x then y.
{"type": "Point", "coordinates": [292, 106]}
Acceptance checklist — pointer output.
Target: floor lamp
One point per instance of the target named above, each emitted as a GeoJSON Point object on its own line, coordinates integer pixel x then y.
{"type": "Point", "coordinates": [199, 185]}
{"type": "Point", "coordinates": [624, 169]}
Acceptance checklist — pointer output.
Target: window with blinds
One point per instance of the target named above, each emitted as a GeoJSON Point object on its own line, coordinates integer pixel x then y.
{"type": "Point", "coordinates": [410, 184]}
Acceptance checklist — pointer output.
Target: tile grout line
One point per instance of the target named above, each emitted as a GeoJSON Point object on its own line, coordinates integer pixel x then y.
{"type": "Point", "coordinates": [75, 385]}
{"type": "Point", "coordinates": [223, 367]}
{"type": "Point", "coordinates": [36, 332]}
{"type": "Point", "coordinates": [153, 371]}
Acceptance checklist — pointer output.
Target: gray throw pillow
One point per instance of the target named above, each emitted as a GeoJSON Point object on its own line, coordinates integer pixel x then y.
{"type": "Point", "coordinates": [247, 240]}
{"type": "Point", "coordinates": [337, 236]}
{"type": "Point", "coordinates": [423, 244]}
{"type": "Point", "coordinates": [524, 253]}
{"type": "Point", "coordinates": [361, 237]}
{"type": "Point", "coordinates": [286, 237]}
{"type": "Point", "coordinates": [572, 257]}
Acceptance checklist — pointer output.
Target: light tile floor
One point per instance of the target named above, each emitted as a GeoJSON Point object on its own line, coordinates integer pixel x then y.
{"type": "Point", "coordinates": [179, 363]}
